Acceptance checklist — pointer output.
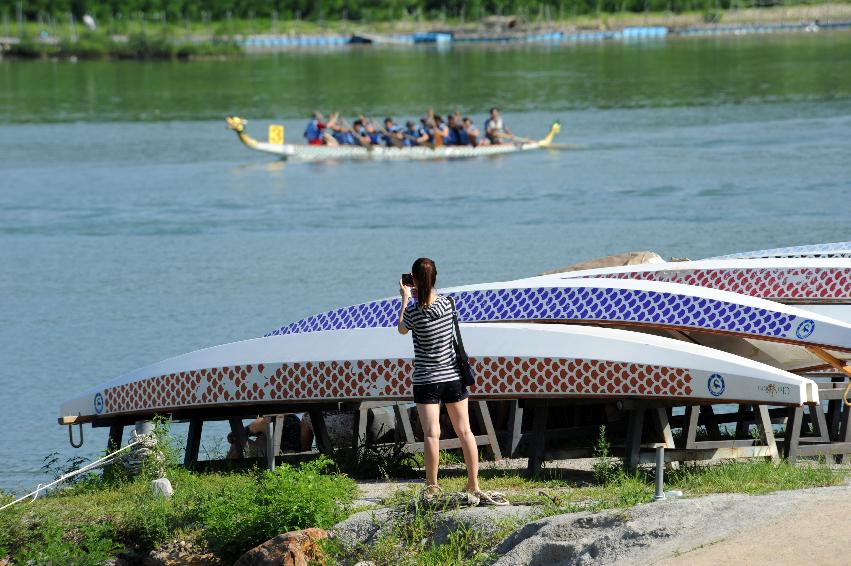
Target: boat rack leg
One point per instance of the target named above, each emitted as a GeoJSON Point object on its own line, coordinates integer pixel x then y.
{"type": "Point", "coordinates": [793, 433]}
{"type": "Point", "coordinates": [271, 447]}
{"type": "Point", "coordinates": [403, 423]}
{"type": "Point", "coordinates": [483, 417]}
{"type": "Point", "coordinates": [116, 435]}
{"type": "Point", "coordinates": [540, 412]}
{"type": "Point", "coordinates": [515, 427]}
{"type": "Point", "coordinates": [193, 443]}
{"type": "Point", "coordinates": [845, 432]}
{"type": "Point", "coordinates": [766, 431]}
{"type": "Point", "coordinates": [635, 427]}
{"type": "Point", "coordinates": [320, 432]}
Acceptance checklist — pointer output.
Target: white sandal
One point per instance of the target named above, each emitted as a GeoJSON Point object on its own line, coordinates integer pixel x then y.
{"type": "Point", "coordinates": [495, 498]}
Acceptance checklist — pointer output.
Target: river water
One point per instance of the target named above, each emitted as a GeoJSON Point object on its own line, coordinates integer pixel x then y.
{"type": "Point", "coordinates": [134, 227]}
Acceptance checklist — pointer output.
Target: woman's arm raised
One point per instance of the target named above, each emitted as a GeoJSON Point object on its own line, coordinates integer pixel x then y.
{"type": "Point", "coordinates": [405, 291]}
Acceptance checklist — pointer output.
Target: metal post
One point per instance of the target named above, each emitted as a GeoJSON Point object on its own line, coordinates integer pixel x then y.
{"type": "Point", "coordinates": [271, 449]}
{"type": "Point", "coordinates": [144, 427]}
{"type": "Point", "coordinates": [660, 474]}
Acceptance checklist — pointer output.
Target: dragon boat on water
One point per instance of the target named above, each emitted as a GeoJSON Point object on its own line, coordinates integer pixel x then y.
{"type": "Point", "coordinates": [306, 152]}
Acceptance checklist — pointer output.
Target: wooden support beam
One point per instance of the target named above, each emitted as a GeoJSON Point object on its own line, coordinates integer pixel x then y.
{"type": "Point", "coordinates": [515, 427]}
{"type": "Point", "coordinates": [271, 447]}
{"type": "Point", "coordinates": [741, 421]}
{"type": "Point", "coordinates": [403, 422]}
{"type": "Point", "coordinates": [837, 364]}
{"type": "Point", "coordinates": [447, 444]}
{"type": "Point", "coordinates": [845, 432]}
{"type": "Point", "coordinates": [279, 433]}
{"type": "Point", "coordinates": [710, 423]}
{"type": "Point", "coordinates": [791, 441]}
{"type": "Point", "coordinates": [193, 443]}
{"type": "Point", "coordinates": [663, 427]}
{"type": "Point", "coordinates": [691, 455]}
{"type": "Point", "coordinates": [116, 435]}
{"type": "Point", "coordinates": [539, 429]}
{"type": "Point", "coordinates": [690, 427]}
{"type": "Point", "coordinates": [633, 438]}
{"type": "Point", "coordinates": [320, 432]}
{"type": "Point", "coordinates": [483, 416]}
{"type": "Point", "coordinates": [819, 422]}
{"type": "Point", "coordinates": [763, 421]}
{"type": "Point", "coordinates": [833, 448]}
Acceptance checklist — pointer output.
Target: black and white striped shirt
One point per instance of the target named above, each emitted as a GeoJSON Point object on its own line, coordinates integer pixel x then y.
{"type": "Point", "coordinates": [434, 354]}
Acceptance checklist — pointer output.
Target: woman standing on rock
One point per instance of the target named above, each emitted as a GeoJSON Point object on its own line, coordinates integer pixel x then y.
{"type": "Point", "coordinates": [437, 379]}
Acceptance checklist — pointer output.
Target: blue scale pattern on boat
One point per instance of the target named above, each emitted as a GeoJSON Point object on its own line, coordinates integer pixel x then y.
{"type": "Point", "coordinates": [568, 304]}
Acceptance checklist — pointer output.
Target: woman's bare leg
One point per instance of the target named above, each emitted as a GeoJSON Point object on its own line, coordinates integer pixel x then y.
{"type": "Point", "coordinates": [430, 421]}
{"type": "Point", "coordinates": [460, 418]}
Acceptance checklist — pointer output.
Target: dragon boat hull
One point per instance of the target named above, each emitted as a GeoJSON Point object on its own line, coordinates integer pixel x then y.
{"type": "Point", "coordinates": [511, 361]}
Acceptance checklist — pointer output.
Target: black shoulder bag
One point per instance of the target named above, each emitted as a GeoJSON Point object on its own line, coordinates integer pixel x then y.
{"type": "Point", "coordinates": [468, 378]}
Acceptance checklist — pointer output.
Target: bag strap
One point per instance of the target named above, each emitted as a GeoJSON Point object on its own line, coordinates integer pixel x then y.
{"type": "Point", "coordinates": [457, 327]}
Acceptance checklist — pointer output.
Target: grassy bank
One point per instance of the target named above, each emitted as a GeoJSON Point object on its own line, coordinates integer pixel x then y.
{"type": "Point", "coordinates": [145, 37]}
{"type": "Point", "coordinates": [223, 513]}
{"type": "Point", "coordinates": [91, 45]}
{"type": "Point", "coordinates": [227, 514]}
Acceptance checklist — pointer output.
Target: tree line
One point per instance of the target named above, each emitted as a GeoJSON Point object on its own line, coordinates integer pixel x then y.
{"type": "Point", "coordinates": [357, 10]}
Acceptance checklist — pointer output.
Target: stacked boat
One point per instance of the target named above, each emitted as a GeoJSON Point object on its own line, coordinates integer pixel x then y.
{"type": "Point", "coordinates": [751, 328]}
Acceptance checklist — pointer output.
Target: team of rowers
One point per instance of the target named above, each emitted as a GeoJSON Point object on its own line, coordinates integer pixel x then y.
{"type": "Point", "coordinates": [432, 131]}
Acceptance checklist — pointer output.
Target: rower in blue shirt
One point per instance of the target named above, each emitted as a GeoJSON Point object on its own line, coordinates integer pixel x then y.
{"type": "Point", "coordinates": [393, 134]}
{"type": "Point", "coordinates": [313, 132]}
{"type": "Point", "coordinates": [415, 135]}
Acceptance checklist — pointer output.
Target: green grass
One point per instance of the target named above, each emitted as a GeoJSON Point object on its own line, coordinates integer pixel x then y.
{"type": "Point", "coordinates": [138, 45]}
{"type": "Point", "coordinates": [228, 513]}
{"type": "Point", "coordinates": [753, 477]}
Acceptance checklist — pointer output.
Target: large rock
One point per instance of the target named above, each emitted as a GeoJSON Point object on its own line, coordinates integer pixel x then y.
{"type": "Point", "coordinates": [362, 528]}
{"type": "Point", "coordinates": [162, 488]}
{"type": "Point", "coordinates": [486, 521]}
{"type": "Point", "coordinates": [296, 548]}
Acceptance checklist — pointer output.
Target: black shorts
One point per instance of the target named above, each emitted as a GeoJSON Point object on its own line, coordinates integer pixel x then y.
{"type": "Point", "coordinates": [447, 392]}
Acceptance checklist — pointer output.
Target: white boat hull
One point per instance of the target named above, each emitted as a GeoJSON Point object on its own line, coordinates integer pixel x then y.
{"type": "Point", "coordinates": [304, 152]}
{"type": "Point", "coordinates": [511, 361]}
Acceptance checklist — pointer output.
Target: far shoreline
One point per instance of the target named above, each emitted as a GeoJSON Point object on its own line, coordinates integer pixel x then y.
{"type": "Point", "coordinates": [243, 37]}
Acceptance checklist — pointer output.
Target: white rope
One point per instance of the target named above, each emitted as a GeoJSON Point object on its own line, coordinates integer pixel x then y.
{"type": "Point", "coordinates": [85, 468]}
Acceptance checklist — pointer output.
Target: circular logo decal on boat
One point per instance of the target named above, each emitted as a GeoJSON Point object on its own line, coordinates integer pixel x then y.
{"type": "Point", "coordinates": [716, 385]}
{"type": "Point", "coordinates": [98, 403]}
{"type": "Point", "coordinates": [805, 329]}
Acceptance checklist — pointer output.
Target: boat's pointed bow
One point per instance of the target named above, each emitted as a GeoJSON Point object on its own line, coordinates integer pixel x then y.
{"type": "Point", "coordinates": [237, 124]}
{"type": "Point", "coordinates": [554, 129]}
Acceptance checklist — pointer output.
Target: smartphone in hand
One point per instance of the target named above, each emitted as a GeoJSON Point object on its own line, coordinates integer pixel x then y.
{"type": "Point", "coordinates": [407, 280]}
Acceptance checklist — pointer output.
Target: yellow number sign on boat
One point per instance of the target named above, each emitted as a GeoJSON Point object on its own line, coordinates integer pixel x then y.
{"type": "Point", "coordinates": [276, 134]}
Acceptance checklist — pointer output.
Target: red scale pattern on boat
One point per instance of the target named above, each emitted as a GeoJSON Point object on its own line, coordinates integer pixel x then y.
{"type": "Point", "coordinates": [390, 379]}
{"type": "Point", "coordinates": [780, 283]}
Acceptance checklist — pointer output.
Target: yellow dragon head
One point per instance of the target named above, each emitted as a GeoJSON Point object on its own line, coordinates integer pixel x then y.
{"type": "Point", "coordinates": [235, 123]}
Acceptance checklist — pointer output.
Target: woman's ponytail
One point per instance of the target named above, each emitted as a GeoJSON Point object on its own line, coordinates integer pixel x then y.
{"type": "Point", "coordinates": [425, 276]}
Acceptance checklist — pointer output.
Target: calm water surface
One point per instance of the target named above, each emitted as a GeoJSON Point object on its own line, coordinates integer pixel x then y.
{"type": "Point", "coordinates": [134, 227]}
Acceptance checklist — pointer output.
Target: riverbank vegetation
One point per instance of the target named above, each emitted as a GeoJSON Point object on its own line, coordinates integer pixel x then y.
{"type": "Point", "coordinates": [185, 12]}
{"type": "Point", "coordinates": [181, 29]}
{"type": "Point", "coordinates": [224, 513]}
